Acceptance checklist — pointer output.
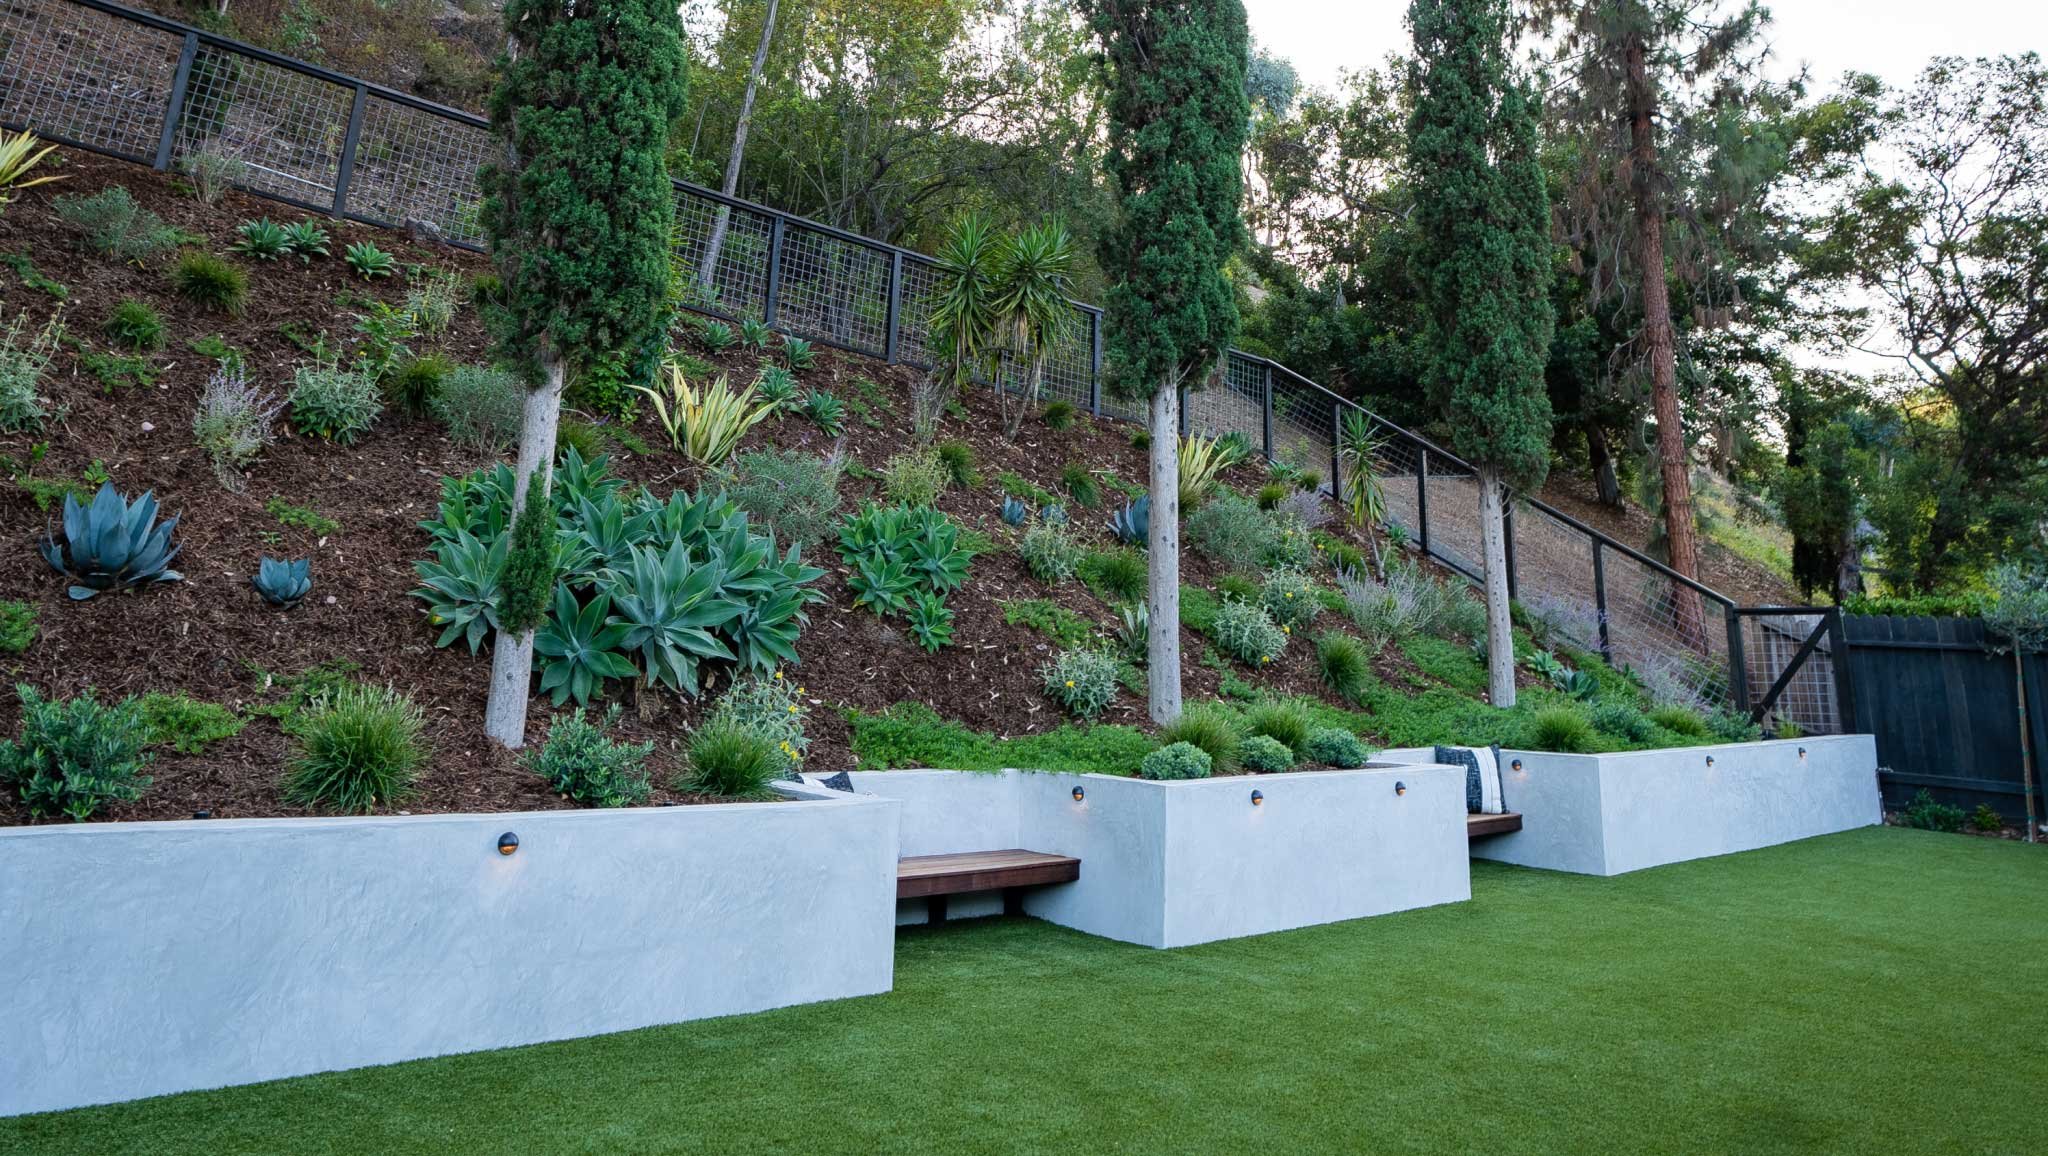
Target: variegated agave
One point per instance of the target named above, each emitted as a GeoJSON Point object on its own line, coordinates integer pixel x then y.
{"type": "Point", "coordinates": [112, 544]}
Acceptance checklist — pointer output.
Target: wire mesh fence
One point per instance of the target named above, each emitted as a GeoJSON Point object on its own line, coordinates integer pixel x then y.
{"type": "Point", "coordinates": [99, 76]}
{"type": "Point", "coordinates": [1793, 669]}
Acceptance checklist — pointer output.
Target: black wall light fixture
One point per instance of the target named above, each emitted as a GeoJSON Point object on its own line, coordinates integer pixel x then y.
{"type": "Point", "coordinates": [1258, 798]}
{"type": "Point", "coordinates": [1400, 788]}
{"type": "Point", "coordinates": [508, 843]}
{"type": "Point", "coordinates": [1079, 794]}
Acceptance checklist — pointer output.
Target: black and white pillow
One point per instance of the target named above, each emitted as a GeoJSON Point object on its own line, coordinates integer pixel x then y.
{"type": "Point", "coordinates": [1482, 777]}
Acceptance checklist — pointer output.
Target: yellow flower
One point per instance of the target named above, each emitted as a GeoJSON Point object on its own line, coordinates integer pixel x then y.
{"type": "Point", "coordinates": [792, 708]}
{"type": "Point", "coordinates": [1287, 630]}
{"type": "Point", "coordinates": [1290, 594]}
{"type": "Point", "coordinates": [1265, 658]}
{"type": "Point", "coordinates": [799, 690]}
{"type": "Point", "coordinates": [1070, 682]}
{"type": "Point", "coordinates": [778, 676]}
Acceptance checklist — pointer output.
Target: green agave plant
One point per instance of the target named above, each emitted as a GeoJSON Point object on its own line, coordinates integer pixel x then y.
{"type": "Point", "coordinates": [669, 606]}
{"type": "Point", "coordinates": [577, 648]}
{"type": "Point", "coordinates": [112, 544]}
{"type": "Point", "coordinates": [460, 586]}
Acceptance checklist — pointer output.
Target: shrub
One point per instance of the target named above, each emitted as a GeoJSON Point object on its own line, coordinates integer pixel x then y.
{"type": "Point", "coordinates": [185, 724]}
{"type": "Point", "coordinates": [1290, 597]}
{"type": "Point", "coordinates": [1679, 721]}
{"type": "Point", "coordinates": [1293, 546]}
{"type": "Point", "coordinates": [17, 626]}
{"type": "Point", "coordinates": [212, 173]}
{"type": "Point", "coordinates": [794, 494]}
{"type": "Point", "coordinates": [580, 762]}
{"type": "Point", "coordinates": [434, 301]}
{"type": "Point", "coordinates": [414, 386]}
{"type": "Point", "coordinates": [113, 224]}
{"type": "Point", "coordinates": [1463, 615]}
{"type": "Point", "coordinates": [771, 706]}
{"type": "Point", "coordinates": [1560, 729]}
{"type": "Point", "coordinates": [1247, 633]}
{"type": "Point", "coordinates": [1116, 575]}
{"type": "Point", "coordinates": [1335, 747]}
{"type": "Point", "coordinates": [1923, 812]}
{"type": "Point", "coordinates": [135, 325]}
{"type": "Point", "coordinates": [1214, 732]}
{"type": "Point", "coordinates": [22, 365]}
{"type": "Point", "coordinates": [1984, 818]}
{"type": "Point", "coordinates": [334, 403]}
{"type": "Point", "coordinates": [482, 407]}
{"type": "Point", "coordinates": [369, 262]}
{"type": "Point", "coordinates": [1733, 727]}
{"type": "Point", "coordinates": [1304, 508]}
{"type": "Point", "coordinates": [1057, 415]}
{"type": "Point", "coordinates": [958, 458]}
{"type": "Point", "coordinates": [1141, 439]}
{"type": "Point", "coordinates": [1265, 755]}
{"type": "Point", "coordinates": [1233, 531]}
{"type": "Point", "coordinates": [358, 746]}
{"type": "Point", "coordinates": [74, 756]}
{"type": "Point", "coordinates": [1621, 720]}
{"type": "Point", "coordinates": [1178, 761]}
{"type": "Point", "coordinates": [1081, 680]}
{"type": "Point", "coordinates": [1050, 552]}
{"type": "Point", "coordinates": [1081, 486]}
{"type": "Point", "coordinates": [731, 761]}
{"type": "Point", "coordinates": [211, 283]}
{"type": "Point", "coordinates": [916, 478]}
{"type": "Point", "coordinates": [1407, 603]}
{"type": "Point", "coordinates": [1345, 665]}
{"type": "Point", "coordinates": [1284, 721]}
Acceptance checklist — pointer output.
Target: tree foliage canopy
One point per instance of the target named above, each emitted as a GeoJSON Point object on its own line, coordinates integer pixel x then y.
{"type": "Point", "coordinates": [1482, 258]}
{"type": "Point", "coordinates": [579, 211]}
{"type": "Point", "coordinates": [1175, 97]}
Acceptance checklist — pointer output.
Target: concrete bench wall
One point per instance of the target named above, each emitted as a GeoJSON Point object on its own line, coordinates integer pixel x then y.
{"type": "Point", "coordinates": [145, 958]}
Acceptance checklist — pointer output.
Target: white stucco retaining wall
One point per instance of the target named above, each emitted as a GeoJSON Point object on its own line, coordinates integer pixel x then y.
{"type": "Point", "coordinates": [1610, 814]}
{"type": "Point", "coordinates": [145, 958]}
{"type": "Point", "coordinates": [1173, 864]}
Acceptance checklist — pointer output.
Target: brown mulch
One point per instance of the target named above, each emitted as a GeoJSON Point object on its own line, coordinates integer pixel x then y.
{"type": "Point", "coordinates": [211, 636]}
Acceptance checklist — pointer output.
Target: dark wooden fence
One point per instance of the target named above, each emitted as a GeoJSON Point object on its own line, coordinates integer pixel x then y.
{"type": "Point", "coordinates": [1944, 711]}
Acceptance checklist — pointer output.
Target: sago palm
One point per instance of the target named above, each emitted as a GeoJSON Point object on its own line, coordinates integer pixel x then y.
{"type": "Point", "coordinates": [1034, 277]}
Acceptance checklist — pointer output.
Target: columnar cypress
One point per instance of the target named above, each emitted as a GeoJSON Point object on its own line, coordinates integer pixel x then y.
{"type": "Point", "coordinates": [1482, 266]}
{"type": "Point", "coordinates": [578, 213]}
{"type": "Point", "coordinates": [1177, 116]}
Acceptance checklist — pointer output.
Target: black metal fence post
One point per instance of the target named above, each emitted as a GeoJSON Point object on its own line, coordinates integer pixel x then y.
{"type": "Point", "coordinates": [1336, 448]}
{"type": "Point", "coordinates": [1738, 663]}
{"type": "Point", "coordinates": [1507, 533]}
{"type": "Point", "coordinates": [348, 151]}
{"type": "Point", "coordinates": [772, 291]}
{"type": "Point", "coordinates": [175, 107]}
{"type": "Point", "coordinates": [1095, 361]}
{"type": "Point", "coordinates": [1600, 599]}
{"type": "Point", "coordinates": [1266, 412]}
{"type": "Point", "coordinates": [895, 306]}
{"type": "Point", "coordinates": [1183, 411]}
{"type": "Point", "coordinates": [1422, 498]}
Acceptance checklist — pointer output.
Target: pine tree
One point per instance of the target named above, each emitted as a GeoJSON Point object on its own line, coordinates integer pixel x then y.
{"type": "Point", "coordinates": [1177, 117]}
{"type": "Point", "coordinates": [1482, 266]}
{"type": "Point", "coordinates": [578, 213]}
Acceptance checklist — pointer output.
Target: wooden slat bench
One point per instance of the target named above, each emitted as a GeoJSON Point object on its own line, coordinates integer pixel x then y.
{"type": "Point", "coordinates": [934, 877]}
{"type": "Point", "coordinates": [1480, 826]}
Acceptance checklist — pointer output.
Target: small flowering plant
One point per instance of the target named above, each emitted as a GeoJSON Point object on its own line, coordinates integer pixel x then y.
{"type": "Point", "coordinates": [1082, 680]}
{"type": "Point", "coordinates": [772, 707]}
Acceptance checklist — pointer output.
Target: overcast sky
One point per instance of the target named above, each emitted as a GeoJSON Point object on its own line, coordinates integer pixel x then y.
{"type": "Point", "coordinates": [1892, 38]}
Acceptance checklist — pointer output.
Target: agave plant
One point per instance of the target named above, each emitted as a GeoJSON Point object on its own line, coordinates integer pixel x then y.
{"type": "Point", "coordinates": [797, 352]}
{"type": "Point", "coordinates": [113, 544]}
{"type": "Point", "coordinates": [282, 583]}
{"type": "Point", "coordinates": [705, 427]}
{"type": "Point", "coordinates": [460, 585]}
{"type": "Point", "coordinates": [1132, 525]}
{"type": "Point", "coordinates": [1015, 512]}
{"type": "Point", "coordinates": [578, 648]}
{"type": "Point", "coordinates": [777, 388]}
{"type": "Point", "coordinates": [669, 606]}
{"type": "Point", "coordinates": [754, 334]}
{"type": "Point", "coordinates": [1053, 514]}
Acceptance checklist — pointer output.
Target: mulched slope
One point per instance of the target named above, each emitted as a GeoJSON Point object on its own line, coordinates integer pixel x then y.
{"type": "Point", "coordinates": [213, 638]}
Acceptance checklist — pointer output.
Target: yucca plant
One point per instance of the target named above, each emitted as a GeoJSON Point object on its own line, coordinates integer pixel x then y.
{"type": "Point", "coordinates": [1033, 279]}
{"type": "Point", "coordinates": [705, 427]}
{"type": "Point", "coordinates": [962, 323]}
{"type": "Point", "coordinates": [1365, 494]}
{"type": "Point", "coordinates": [20, 153]}
{"type": "Point", "coordinates": [1201, 459]}
{"type": "Point", "coordinates": [282, 583]}
{"type": "Point", "coordinates": [113, 544]}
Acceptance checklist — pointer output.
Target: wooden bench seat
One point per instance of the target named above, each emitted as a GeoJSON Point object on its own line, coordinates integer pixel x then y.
{"type": "Point", "coordinates": [933, 877]}
{"type": "Point", "coordinates": [1480, 826]}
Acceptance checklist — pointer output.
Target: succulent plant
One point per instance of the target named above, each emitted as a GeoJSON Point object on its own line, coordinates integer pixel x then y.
{"type": "Point", "coordinates": [282, 583]}
{"type": "Point", "coordinates": [1053, 514]}
{"type": "Point", "coordinates": [1132, 525]}
{"type": "Point", "coordinates": [112, 544]}
{"type": "Point", "coordinates": [1014, 511]}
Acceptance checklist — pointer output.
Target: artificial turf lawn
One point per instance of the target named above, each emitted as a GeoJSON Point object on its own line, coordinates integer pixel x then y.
{"type": "Point", "coordinates": [1877, 991]}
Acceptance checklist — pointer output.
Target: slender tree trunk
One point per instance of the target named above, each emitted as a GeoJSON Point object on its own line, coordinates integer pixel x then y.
{"type": "Point", "coordinates": [1162, 639]}
{"type": "Point", "coordinates": [2019, 681]}
{"type": "Point", "coordinates": [708, 273]}
{"type": "Point", "coordinates": [1500, 630]}
{"type": "Point", "coordinates": [1661, 349]}
{"type": "Point", "coordinates": [512, 656]}
{"type": "Point", "coordinates": [1606, 486]}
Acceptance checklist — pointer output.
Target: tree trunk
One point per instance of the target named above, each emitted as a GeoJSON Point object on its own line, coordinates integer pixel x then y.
{"type": "Point", "coordinates": [1661, 350]}
{"type": "Point", "coordinates": [1162, 639]}
{"type": "Point", "coordinates": [707, 274]}
{"type": "Point", "coordinates": [1500, 630]}
{"type": "Point", "coordinates": [512, 656]}
{"type": "Point", "coordinates": [1606, 486]}
{"type": "Point", "coordinates": [2019, 679]}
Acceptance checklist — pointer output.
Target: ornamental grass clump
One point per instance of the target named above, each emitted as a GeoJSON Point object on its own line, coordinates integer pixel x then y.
{"type": "Point", "coordinates": [1214, 731]}
{"type": "Point", "coordinates": [359, 747]}
{"type": "Point", "coordinates": [1345, 665]}
{"type": "Point", "coordinates": [1177, 761]}
{"type": "Point", "coordinates": [1283, 720]}
{"type": "Point", "coordinates": [1083, 680]}
{"type": "Point", "coordinates": [1561, 729]}
{"type": "Point", "coordinates": [74, 756]}
{"type": "Point", "coordinates": [580, 762]}
{"type": "Point", "coordinates": [728, 760]}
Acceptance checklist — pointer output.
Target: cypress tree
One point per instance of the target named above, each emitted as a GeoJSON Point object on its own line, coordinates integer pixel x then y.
{"type": "Point", "coordinates": [1177, 116]}
{"type": "Point", "coordinates": [578, 213]}
{"type": "Point", "coordinates": [1482, 267]}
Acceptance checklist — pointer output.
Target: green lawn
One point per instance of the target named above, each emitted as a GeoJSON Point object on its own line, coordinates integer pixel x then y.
{"type": "Point", "coordinates": [1878, 991]}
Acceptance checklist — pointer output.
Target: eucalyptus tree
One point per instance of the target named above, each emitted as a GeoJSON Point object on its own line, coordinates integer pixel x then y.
{"type": "Point", "coordinates": [1173, 78]}
{"type": "Point", "coordinates": [577, 211]}
{"type": "Point", "coordinates": [1482, 266]}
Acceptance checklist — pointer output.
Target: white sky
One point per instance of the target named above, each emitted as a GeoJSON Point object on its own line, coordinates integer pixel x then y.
{"type": "Point", "coordinates": [1892, 38]}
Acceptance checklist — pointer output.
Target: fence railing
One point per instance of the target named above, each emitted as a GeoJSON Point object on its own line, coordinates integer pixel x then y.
{"type": "Point", "coordinates": [99, 76]}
